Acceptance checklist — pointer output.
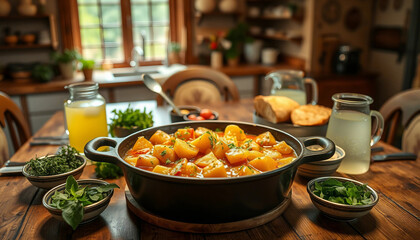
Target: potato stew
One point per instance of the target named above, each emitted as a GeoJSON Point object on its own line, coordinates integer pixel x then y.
{"type": "Point", "coordinates": [204, 153]}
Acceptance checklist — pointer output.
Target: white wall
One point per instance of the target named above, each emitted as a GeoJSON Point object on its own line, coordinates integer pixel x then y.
{"type": "Point", "coordinates": [385, 62]}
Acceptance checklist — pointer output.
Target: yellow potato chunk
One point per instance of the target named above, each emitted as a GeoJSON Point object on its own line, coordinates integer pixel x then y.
{"type": "Point", "coordinates": [231, 141]}
{"type": "Point", "coordinates": [185, 150]}
{"type": "Point", "coordinates": [272, 153]}
{"type": "Point", "coordinates": [185, 133]}
{"type": "Point", "coordinates": [235, 155]}
{"type": "Point", "coordinates": [265, 139]}
{"type": "Point", "coordinates": [220, 149]}
{"type": "Point", "coordinates": [235, 131]}
{"type": "Point", "coordinates": [215, 169]}
{"type": "Point", "coordinates": [283, 148]}
{"type": "Point", "coordinates": [191, 170]}
{"type": "Point", "coordinates": [206, 160]}
{"type": "Point", "coordinates": [131, 160]}
{"type": "Point", "coordinates": [245, 170]}
{"type": "Point", "coordinates": [249, 144]}
{"type": "Point", "coordinates": [264, 163]}
{"type": "Point", "coordinates": [254, 154]}
{"type": "Point", "coordinates": [164, 153]}
{"type": "Point", "coordinates": [160, 137]}
{"type": "Point", "coordinates": [146, 160]}
{"type": "Point", "coordinates": [284, 161]}
{"type": "Point", "coordinates": [142, 143]}
{"type": "Point", "coordinates": [161, 169]}
{"type": "Point", "coordinates": [200, 131]}
{"type": "Point", "coordinates": [204, 142]}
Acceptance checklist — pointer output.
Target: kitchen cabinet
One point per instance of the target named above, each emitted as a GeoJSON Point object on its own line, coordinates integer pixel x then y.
{"type": "Point", "coordinates": [42, 26]}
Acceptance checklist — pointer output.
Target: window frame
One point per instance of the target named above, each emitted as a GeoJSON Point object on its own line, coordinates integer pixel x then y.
{"type": "Point", "coordinates": [71, 37]}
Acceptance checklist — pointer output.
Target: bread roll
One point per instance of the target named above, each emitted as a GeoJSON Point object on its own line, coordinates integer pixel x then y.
{"type": "Point", "coordinates": [311, 115]}
{"type": "Point", "coordinates": [275, 108]}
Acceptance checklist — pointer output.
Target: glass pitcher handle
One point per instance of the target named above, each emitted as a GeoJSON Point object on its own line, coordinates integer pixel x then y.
{"type": "Point", "coordinates": [314, 90]}
{"type": "Point", "coordinates": [379, 127]}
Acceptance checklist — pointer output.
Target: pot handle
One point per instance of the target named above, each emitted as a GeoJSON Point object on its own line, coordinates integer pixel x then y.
{"type": "Point", "coordinates": [111, 156]}
{"type": "Point", "coordinates": [312, 156]}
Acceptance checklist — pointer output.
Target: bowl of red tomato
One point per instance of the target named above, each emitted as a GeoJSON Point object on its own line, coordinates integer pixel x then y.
{"type": "Point", "coordinates": [185, 110]}
{"type": "Point", "coordinates": [203, 114]}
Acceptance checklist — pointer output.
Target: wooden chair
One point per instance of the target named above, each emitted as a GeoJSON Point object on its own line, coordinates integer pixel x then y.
{"type": "Point", "coordinates": [12, 117]}
{"type": "Point", "coordinates": [199, 85]}
{"type": "Point", "coordinates": [398, 111]}
{"type": "Point", "coordinates": [411, 136]}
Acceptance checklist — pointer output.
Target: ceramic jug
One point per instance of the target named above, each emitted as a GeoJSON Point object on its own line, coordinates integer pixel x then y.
{"type": "Point", "coordinates": [26, 8]}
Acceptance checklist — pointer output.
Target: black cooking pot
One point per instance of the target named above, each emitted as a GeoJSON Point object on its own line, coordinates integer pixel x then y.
{"type": "Point", "coordinates": [209, 200]}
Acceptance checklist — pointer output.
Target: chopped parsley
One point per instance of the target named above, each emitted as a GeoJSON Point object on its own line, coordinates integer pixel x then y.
{"type": "Point", "coordinates": [65, 161]}
{"type": "Point", "coordinates": [163, 153]}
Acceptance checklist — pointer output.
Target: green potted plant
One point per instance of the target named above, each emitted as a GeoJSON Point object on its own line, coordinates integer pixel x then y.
{"type": "Point", "coordinates": [174, 51]}
{"type": "Point", "coordinates": [43, 73]}
{"type": "Point", "coordinates": [66, 61]}
{"type": "Point", "coordinates": [87, 68]}
{"type": "Point", "coordinates": [129, 121]}
{"type": "Point", "coordinates": [237, 37]}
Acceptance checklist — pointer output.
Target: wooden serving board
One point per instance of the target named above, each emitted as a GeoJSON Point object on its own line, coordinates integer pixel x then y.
{"type": "Point", "coordinates": [204, 228]}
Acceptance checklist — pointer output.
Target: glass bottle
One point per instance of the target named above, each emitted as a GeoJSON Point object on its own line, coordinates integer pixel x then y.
{"type": "Point", "coordinates": [85, 114]}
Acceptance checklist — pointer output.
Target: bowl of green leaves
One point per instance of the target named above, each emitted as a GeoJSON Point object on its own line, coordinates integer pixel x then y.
{"type": "Point", "coordinates": [77, 202]}
{"type": "Point", "coordinates": [341, 198]}
{"type": "Point", "coordinates": [129, 121]}
{"type": "Point", "coordinates": [51, 170]}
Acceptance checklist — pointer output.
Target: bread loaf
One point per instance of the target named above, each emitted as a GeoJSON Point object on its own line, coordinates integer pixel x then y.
{"type": "Point", "coordinates": [275, 108]}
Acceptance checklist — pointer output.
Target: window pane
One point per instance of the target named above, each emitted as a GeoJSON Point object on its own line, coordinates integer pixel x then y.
{"type": "Point", "coordinates": [159, 51]}
{"type": "Point", "coordinates": [114, 54]}
{"type": "Point", "coordinates": [86, 1]}
{"type": "Point", "coordinates": [92, 53]}
{"type": "Point", "coordinates": [111, 14]}
{"type": "Point", "coordinates": [140, 13]}
{"type": "Point", "coordinates": [91, 37]}
{"type": "Point", "coordinates": [160, 34]}
{"type": "Point", "coordinates": [143, 30]}
{"type": "Point", "coordinates": [111, 1]}
{"type": "Point", "coordinates": [113, 35]}
{"type": "Point", "coordinates": [160, 12]}
{"type": "Point", "coordinates": [88, 15]}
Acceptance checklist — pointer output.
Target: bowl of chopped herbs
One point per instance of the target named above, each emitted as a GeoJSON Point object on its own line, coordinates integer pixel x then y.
{"type": "Point", "coordinates": [52, 170]}
{"type": "Point", "coordinates": [77, 202]}
{"type": "Point", "coordinates": [129, 121]}
{"type": "Point", "coordinates": [342, 198]}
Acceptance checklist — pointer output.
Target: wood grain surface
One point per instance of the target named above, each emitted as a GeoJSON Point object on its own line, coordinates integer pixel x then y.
{"type": "Point", "coordinates": [396, 216]}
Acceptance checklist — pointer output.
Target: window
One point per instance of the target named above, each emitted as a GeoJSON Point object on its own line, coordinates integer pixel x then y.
{"type": "Point", "coordinates": [109, 29]}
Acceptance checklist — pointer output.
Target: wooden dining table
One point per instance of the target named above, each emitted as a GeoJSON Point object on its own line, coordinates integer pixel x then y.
{"type": "Point", "coordinates": [396, 216]}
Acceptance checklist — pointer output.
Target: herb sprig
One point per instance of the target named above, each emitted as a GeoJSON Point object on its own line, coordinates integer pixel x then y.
{"type": "Point", "coordinates": [130, 118]}
{"type": "Point", "coordinates": [343, 192]}
{"type": "Point", "coordinates": [62, 162]}
{"type": "Point", "coordinates": [72, 200]}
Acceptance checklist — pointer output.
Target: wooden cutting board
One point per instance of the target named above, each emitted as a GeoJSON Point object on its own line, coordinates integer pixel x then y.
{"type": "Point", "coordinates": [204, 228]}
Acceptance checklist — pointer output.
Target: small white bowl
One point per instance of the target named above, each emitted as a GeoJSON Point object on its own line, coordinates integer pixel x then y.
{"type": "Point", "coordinates": [50, 181]}
{"type": "Point", "coordinates": [322, 168]}
{"type": "Point", "coordinates": [338, 211]}
{"type": "Point", "coordinates": [90, 211]}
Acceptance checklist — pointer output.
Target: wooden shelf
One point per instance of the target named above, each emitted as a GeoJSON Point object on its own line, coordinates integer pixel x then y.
{"type": "Point", "coordinates": [297, 40]}
{"type": "Point", "coordinates": [274, 18]}
{"type": "Point", "coordinates": [200, 16]}
{"type": "Point", "coordinates": [20, 17]}
{"type": "Point", "coordinates": [25, 46]}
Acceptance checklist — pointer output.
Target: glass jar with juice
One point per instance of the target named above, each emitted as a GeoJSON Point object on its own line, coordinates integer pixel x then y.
{"type": "Point", "coordinates": [350, 128]}
{"type": "Point", "coordinates": [85, 114]}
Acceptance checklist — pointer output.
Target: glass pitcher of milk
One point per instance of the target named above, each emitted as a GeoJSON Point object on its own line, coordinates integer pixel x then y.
{"type": "Point", "coordinates": [350, 128]}
{"type": "Point", "coordinates": [291, 83]}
